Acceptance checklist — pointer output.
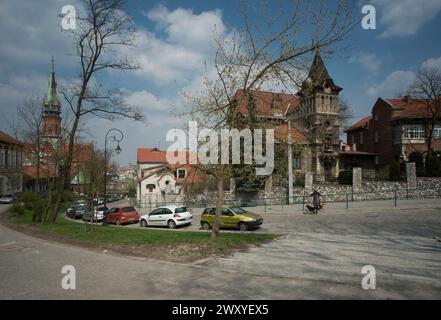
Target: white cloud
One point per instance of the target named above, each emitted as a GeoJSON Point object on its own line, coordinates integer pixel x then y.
{"type": "Point", "coordinates": [180, 55]}
{"type": "Point", "coordinates": [185, 28]}
{"type": "Point", "coordinates": [368, 61]}
{"type": "Point", "coordinates": [405, 17]}
{"type": "Point", "coordinates": [432, 63]}
{"type": "Point", "coordinates": [394, 83]}
{"type": "Point", "coordinates": [147, 101]}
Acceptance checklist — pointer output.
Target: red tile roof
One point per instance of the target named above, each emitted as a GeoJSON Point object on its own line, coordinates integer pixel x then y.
{"type": "Point", "coordinates": [154, 155]}
{"type": "Point", "coordinates": [268, 104]}
{"type": "Point", "coordinates": [9, 140]}
{"type": "Point", "coordinates": [410, 108]}
{"type": "Point", "coordinates": [151, 155]}
{"type": "Point", "coordinates": [281, 134]}
{"type": "Point", "coordinates": [359, 124]}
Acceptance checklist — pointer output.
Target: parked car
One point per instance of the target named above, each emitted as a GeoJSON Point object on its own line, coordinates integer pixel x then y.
{"type": "Point", "coordinates": [122, 215]}
{"type": "Point", "coordinates": [98, 214]}
{"type": "Point", "coordinates": [75, 211]}
{"type": "Point", "coordinates": [8, 198]}
{"type": "Point", "coordinates": [231, 218]}
{"type": "Point", "coordinates": [169, 216]}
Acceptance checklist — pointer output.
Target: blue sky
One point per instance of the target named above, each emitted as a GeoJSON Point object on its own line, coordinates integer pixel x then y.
{"type": "Point", "coordinates": [173, 44]}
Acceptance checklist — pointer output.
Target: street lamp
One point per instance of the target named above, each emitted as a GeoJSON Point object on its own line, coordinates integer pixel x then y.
{"type": "Point", "coordinates": [117, 138]}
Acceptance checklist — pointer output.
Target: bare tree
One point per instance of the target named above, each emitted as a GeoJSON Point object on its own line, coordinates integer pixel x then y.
{"type": "Point", "coordinates": [427, 88]}
{"type": "Point", "coordinates": [28, 129]}
{"type": "Point", "coordinates": [102, 28]}
{"type": "Point", "coordinates": [272, 48]}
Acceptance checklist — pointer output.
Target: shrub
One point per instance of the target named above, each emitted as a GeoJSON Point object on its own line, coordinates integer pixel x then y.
{"type": "Point", "coordinates": [29, 199]}
{"type": "Point", "coordinates": [299, 179]}
{"type": "Point", "coordinates": [394, 171]}
{"type": "Point", "coordinates": [39, 208]}
{"type": "Point", "coordinates": [345, 177]}
{"type": "Point", "coordinates": [18, 209]}
{"type": "Point", "coordinates": [433, 167]}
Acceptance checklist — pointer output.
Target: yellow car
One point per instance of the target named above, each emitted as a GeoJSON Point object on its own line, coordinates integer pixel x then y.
{"type": "Point", "coordinates": [232, 218]}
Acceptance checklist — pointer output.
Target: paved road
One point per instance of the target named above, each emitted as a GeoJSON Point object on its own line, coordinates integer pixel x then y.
{"type": "Point", "coordinates": [320, 257]}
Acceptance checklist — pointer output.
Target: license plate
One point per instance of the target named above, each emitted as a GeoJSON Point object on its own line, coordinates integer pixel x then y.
{"type": "Point", "coordinates": [131, 219]}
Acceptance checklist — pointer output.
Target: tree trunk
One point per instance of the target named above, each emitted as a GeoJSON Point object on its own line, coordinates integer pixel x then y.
{"type": "Point", "coordinates": [429, 140]}
{"type": "Point", "coordinates": [67, 165]}
{"type": "Point", "coordinates": [219, 203]}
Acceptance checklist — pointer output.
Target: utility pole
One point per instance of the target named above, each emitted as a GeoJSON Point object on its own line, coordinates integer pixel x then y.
{"type": "Point", "coordinates": [290, 191]}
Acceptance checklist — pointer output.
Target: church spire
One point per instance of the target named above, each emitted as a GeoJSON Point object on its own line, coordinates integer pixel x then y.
{"type": "Point", "coordinates": [51, 102]}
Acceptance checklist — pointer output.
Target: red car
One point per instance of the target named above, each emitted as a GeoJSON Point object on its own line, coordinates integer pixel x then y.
{"type": "Point", "coordinates": [122, 215]}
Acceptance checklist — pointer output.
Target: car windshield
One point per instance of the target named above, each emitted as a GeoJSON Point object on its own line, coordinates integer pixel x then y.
{"type": "Point", "coordinates": [181, 209]}
{"type": "Point", "coordinates": [237, 210]}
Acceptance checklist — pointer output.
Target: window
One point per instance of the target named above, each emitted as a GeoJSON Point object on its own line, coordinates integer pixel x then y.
{"type": "Point", "coordinates": [375, 117]}
{"type": "Point", "coordinates": [150, 187]}
{"type": "Point", "coordinates": [156, 212]}
{"type": "Point", "coordinates": [181, 173]}
{"type": "Point", "coordinates": [376, 137]}
{"type": "Point", "coordinates": [361, 137]}
{"type": "Point", "coordinates": [296, 161]}
{"type": "Point", "coordinates": [413, 132]}
{"type": "Point", "coordinates": [436, 131]}
{"type": "Point", "coordinates": [181, 209]}
{"type": "Point", "coordinates": [167, 211]}
{"type": "Point", "coordinates": [226, 212]}
{"type": "Point", "coordinates": [327, 145]}
{"type": "Point", "coordinates": [2, 157]}
{"type": "Point", "coordinates": [377, 160]}
{"type": "Point", "coordinates": [128, 209]}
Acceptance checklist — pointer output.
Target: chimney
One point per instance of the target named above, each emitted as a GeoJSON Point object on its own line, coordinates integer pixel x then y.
{"type": "Point", "coordinates": [407, 97]}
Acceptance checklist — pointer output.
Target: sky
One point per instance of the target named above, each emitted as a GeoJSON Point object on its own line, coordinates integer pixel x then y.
{"type": "Point", "coordinates": [173, 43]}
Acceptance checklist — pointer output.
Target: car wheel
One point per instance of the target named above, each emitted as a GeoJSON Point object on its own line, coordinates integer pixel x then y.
{"type": "Point", "coordinates": [118, 223]}
{"type": "Point", "coordinates": [206, 226]}
{"type": "Point", "coordinates": [144, 223]}
{"type": "Point", "coordinates": [243, 226]}
{"type": "Point", "coordinates": [171, 224]}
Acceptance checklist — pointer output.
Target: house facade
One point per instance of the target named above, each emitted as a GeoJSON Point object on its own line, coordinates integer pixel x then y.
{"type": "Point", "coordinates": [396, 130]}
{"type": "Point", "coordinates": [160, 182]}
{"type": "Point", "coordinates": [313, 116]}
{"type": "Point", "coordinates": [11, 176]}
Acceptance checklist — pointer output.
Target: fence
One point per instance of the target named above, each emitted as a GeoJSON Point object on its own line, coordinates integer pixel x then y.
{"type": "Point", "coordinates": [302, 199]}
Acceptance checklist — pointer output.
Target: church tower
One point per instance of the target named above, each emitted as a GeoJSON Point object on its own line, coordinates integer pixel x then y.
{"type": "Point", "coordinates": [319, 118]}
{"type": "Point", "coordinates": [51, 131]}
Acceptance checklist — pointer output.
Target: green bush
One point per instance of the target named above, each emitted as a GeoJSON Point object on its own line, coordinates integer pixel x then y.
{"type": "Point", "coordinates": [345, 177]}
{"type": "Point", "coordinates": [18, 209]}
{"type": "Point", "coordinates": [39, 208]}
{"type": "Point", "coordinates": [433, 167]}
{"type": "Point", "coordinates": [394, 171]}
{"type": "Point", "coordinates": [29, 199]}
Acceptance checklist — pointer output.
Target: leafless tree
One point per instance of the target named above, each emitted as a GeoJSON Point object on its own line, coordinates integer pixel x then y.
{"type": "Point", "coordinates": [272, 48]}
{"type": "Point", "coordinates": [28, 128]}
{"type": "Point", "coordinates": [103, 29]}
{"type": "Point", "coordinates": [427, 87]}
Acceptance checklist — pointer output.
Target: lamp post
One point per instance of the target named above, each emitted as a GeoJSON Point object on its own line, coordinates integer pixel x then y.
{"type": "Point", "coordinates": [290, 182]}
{"type": "Point", "coordinates": [117, 138]}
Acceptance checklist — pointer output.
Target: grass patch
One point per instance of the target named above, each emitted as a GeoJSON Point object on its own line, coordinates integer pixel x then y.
{"type": "Point", "coordinates": [158, 238]}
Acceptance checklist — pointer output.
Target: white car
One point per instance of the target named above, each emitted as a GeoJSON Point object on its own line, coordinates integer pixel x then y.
{"type": "Point", "coordinates": [169, 216]}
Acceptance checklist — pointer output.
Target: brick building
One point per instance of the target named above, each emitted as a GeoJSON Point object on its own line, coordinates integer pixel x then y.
{"type": "Point", "coordinates": [396, 130]}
